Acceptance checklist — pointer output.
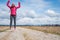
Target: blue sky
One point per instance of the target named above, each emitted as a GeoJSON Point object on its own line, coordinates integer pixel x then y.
{"type": "Point", "coordinates": [32, 12]}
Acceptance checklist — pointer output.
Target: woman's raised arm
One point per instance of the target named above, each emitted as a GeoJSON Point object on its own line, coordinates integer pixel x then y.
{"type": "Point", "coordinates": [18, 5]}
{"type": "Point", "coordinates": [8, 3]}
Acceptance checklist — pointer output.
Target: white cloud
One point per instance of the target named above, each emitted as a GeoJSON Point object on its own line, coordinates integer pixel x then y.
{"type": "Point", "coordinates": [37, 21]}
{"type": "Point", "coordinates": [27, 13]}
{"type": "Point", "coordinates": [24, 21]}
{"type": "Point", "coordinates": [51, 13]}
{"type": "Point", "coordinates": [4, 22]}
{"type": "Point", "coordinates": [31, 13]}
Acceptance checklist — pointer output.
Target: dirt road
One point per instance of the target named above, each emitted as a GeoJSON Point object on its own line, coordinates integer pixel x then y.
{"type": "Point", "coordinates": [27, 34]}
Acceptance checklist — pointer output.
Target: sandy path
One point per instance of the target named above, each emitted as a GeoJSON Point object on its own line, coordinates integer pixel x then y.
{"type": "Point", "coordinates": [27, 34]}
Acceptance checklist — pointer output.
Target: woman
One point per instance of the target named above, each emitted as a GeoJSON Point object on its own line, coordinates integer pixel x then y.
{"type": "Point", "coordinates": [13, 10]}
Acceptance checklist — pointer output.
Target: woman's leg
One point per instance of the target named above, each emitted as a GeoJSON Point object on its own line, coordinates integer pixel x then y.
{"type": "Point", "coordinates": [14, 22]}
{"type": "Point", "coordinates": [10, 22]}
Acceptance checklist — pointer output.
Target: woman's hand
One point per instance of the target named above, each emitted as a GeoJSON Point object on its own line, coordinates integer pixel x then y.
{"type": "Point", "coordinates": [8, 0]}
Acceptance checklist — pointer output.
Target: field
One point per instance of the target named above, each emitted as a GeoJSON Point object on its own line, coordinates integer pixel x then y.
{"type": "Point", "coordinates": [47, 29]}
{"type": "Point", "coordinates": [3, 28]}
{"type": "Point", "coordinates": [30, 33]}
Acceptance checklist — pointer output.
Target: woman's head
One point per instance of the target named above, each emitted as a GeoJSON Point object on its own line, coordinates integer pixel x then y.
{"type": "Point", "coordinates": [13, 5]}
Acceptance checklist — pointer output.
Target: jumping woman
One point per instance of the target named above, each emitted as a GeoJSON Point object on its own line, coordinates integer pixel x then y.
{"type": "Point", "coordinates": [13, 10]}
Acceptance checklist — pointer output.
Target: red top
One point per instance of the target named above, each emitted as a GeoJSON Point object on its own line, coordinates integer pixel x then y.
{"type": "Point", "coordinates": [13, 9]}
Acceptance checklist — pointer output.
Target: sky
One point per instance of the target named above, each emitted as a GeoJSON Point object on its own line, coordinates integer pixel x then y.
{"type": "Point", "coordinates": [32, 12]}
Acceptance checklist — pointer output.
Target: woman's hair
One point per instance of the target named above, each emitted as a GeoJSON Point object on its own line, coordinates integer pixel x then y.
{"type": "Point", "coordinates": [13, 5]}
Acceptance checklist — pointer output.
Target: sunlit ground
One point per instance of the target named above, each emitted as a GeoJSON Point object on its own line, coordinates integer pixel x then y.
{"type": "Point", "coordinates": [47, 29]}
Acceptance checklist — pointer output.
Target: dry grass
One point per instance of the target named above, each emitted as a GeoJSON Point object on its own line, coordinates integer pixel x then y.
{"type": "Point", "coordinates": [50, 29]}
{"type": "Point", "coordinates": [47, 29]}
{"type": "Point", "coordinates": [3, 28]}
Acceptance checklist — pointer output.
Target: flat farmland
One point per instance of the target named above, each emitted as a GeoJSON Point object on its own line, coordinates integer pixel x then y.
{"type": "Point", "coordinates": [3, 28]}
{"type": "Point", "coordinates": [47, 29]}
{"type": "Point", "coordinates": [30, 33]}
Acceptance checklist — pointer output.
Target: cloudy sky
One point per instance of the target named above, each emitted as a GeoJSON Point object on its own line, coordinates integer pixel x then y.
{"type": "Point", "coordinates": [32, 12]}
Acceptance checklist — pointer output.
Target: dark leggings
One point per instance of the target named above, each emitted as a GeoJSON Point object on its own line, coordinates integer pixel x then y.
{"type": "Point", "coordinates": [12, 18]}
